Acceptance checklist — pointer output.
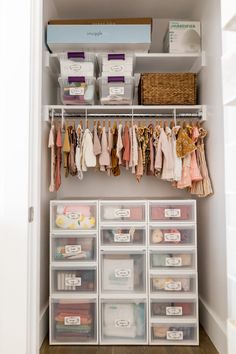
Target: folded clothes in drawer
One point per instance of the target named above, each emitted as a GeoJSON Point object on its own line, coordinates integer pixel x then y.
{"type": "Point", "coordinates": [178, 235]}
{"type": "Point", "coordinates": [117, 236]}
{"type": "Point", "coordinates": [174, 211]}
{"type": "Point", "coordinates": [77, 90]}
{"type": "Point", "coordinates": [73, 321]}
{"type": "Point", "coordinates": [123, 272]}
{"type": "Point", "coordinates": [172, 259]}
{"type": "Point", "coordinates": [176, 308]}
{"type": "Point", "coordinates": [126, 212]}
{"type": "Point", "coordinates": [74, 280]}
{"type": "Point", "coordinates": [73, 216]}
{"type": "Point", "coordinates": [173, 283]}
{"type": "Point", "coordinates": [174, 332]}
{"type": "Point", "coordinates": [74, 248]}
{"type": "Point", "coordinates": [123, 321]}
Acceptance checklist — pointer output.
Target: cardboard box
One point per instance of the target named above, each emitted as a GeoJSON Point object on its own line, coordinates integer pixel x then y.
{"type": "Point", "coordinates": [183, 37]}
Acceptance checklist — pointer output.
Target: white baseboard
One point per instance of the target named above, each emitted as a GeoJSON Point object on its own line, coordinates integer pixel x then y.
{"type": "Point", "coordinates": [215, 328]}
{"type": "Point", "coordinates": [43, 325]}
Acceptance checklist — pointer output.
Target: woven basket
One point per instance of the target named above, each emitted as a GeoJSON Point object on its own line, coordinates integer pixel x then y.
{"type": "Point", "coordinates": [168, 89]}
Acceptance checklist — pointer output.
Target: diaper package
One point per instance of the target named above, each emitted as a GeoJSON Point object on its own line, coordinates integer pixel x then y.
{"type": "Point", "coordinates": [183, 37]}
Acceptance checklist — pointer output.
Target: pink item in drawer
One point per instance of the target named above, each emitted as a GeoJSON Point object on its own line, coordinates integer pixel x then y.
{"type": "Point", "coordinates": [177, 212]}
{"type": "Point", "coordinates": [136, 213]}
{"type": "Point", "coordinates": [82, 209]}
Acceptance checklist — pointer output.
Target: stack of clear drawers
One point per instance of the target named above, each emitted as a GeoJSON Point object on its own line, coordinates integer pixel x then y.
{"type": "Point", "coordinates": [173, 292]}
{"type": "Point", "coordinates": [123, 269]}
{"type": "Point", "coordinates": [74, 272]}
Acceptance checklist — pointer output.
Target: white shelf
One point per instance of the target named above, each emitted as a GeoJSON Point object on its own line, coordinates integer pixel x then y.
{"type": "Point", "coordinates": [150, 62]}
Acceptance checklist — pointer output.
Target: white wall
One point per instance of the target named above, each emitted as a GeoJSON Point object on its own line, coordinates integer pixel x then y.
{"type": "Point", "coordinates": [211, 211]}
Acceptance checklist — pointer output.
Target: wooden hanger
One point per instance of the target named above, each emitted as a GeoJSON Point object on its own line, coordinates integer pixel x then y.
{"type": "Point", "coordinates": [104, 123]}
{"type": "Point", "coordinates": [172, 124]}
{"type": "Point", "coordinates": [109, 123]}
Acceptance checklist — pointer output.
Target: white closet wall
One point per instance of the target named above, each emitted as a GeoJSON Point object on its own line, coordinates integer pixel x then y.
{"type": "Point", "coordinates": [211, 227]}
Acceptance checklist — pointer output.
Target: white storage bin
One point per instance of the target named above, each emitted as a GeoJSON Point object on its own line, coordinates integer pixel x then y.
{"type": "Point", "coordinates": [113, 64]}
{"type": "Point", "coordinates": [75, 279]}
{"type": "Point", "coordinates": [77, 90]}
{"type": "Point", "coordinates": [173, 308]}
{"type": "Point", "coordinates": [74, 248]}
{"type": "Point", "coordinates": [77, 64]}
{"type": "Point", "coordinates": [172, 211]}
{"type": "Point", "coordinates": [172, 259]}
{"type": "Point", "coordinates": [116, 90]}
{"type": "Point", "coordinates": [173, 283]}
{"type": "Point", "coordinates": [123, 272]}
{"type": "Point", "coordinates": [122, 211]}
{"type": "Point", "coordinates": [123, 235]}
{"type": "Point", "coordinates": [174, 334]}
{"type": "Point", "coordinates": [176, 235]}
{"type": "Point", "coordinates": [123, 322]}
{"type": "Point", "coordinates": [73, 215]}
{"type": "Point", "coordinates": [73, 321]}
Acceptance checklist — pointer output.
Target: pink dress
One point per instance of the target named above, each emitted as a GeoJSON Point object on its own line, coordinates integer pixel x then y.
{"type": "Point", "coordinates": [194, 169]}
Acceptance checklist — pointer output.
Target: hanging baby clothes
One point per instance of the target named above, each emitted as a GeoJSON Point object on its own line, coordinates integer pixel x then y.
{"type": "Point", "coordinates": [97, 149]}
{"type": "Point", "coordinates": [119, 145]}
{"type": "Point", "coordinates": [58, 158]}
{"type": "Point", "coordinates": [156, 135]}
{"type": "Point", "coordinates": [66, 151]}
{"type": "Point", "coordinates": [88, 156]}
{"type": "Point", "coordinates": [114, 158]}
{"type": "Point", "coordinates": [104, 158]}
{"type": "Point", "coordinates": [51, 145]}
{"type": "Point", "coordinates": [140, 139]}
{"type": "Point", "coordinates": [73, 143]}
{"type": "Point", "coordinates": [202, 188]}
{"type": "Point", "coordinates": [177, 160]}
{"type": "Point", "coordinates": [110, 145]}
{"type": "Point", "coordinates": [78, 154]}
{"type": "Point", "coordinates": [150, 164]}
{"type": "Point", "coordinates": [134, 149]}
{"type": "Point", "coordinates": [164, 155]}
{"type": "Point", "coordinates": [194, 169]}
{"type": "Point", "coordinates": [126, 144]}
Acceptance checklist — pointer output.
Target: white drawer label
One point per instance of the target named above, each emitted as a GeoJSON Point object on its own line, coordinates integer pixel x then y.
{"type": "Point", "coordinates": [116, 91]}
{"type": "Point", "coordinates": [174, 311]}
{"type": "Point", "coordinates": [122, 323]}
{"type": "Point", "coordinates": [117, 68]}
{"type": "Point", "coordinates": [122, 238]}
{"type": "Point", "coordinates": [122, 273]}
{"type": "Point", "coordinates": [76, 91]}
{"type": "Point", "coordinates": [72, 321]}
{"type": "Point", "coordinates": [73, 215]}
{"type": "Point", "coordinates": [173, 262]}
{"type": "Point", "coordinates": [173, 286]}
{"type": "Point", "coordinates": [70, 281]}
{"type": "Point", "coordinates": [174, 335]}
{"type": "Point", "coordinates": [122, 213]}
{"type": "Point", "coordinates": [172, 213]}
{"type": "Point", "coordinates": [172, 237]}
{"type": "Point", "coordinates": [73, 249]}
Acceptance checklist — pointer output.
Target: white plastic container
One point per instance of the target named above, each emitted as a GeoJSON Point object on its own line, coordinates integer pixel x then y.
{"type": "Point", "coordinates": [116, 90]}
{"type": "Point", "coordinates": [175, 235]}
{"type": "Point", "coordinates": [77, 64]}
{"type": "Point", "coordinates": [113, 64]}
{"type": "Point", "coordinates": [73, 321]}
{"type": "Point", "coordinates": [173, 283]}
{"type": "Point", "coordinates": [77, 90]}
{"type": "Point", "coordinates": [122, 211]}
{"type": "Point", "coordinates": [173, 308]}
{"type": "Point", "coordinates": [180, 259]}
{"type": "Point", "coordinates": [115, 236]}
{"type": "Point", "coordinates": [123, 321]}
{"type": "Point", "coordinates": [174, 333]}
{"type": "Point", "coordinates": [172, 211]}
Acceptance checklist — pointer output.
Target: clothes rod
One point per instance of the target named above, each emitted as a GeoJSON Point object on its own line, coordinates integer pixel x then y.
{"type": "Point", "coordinates": [125, 115]}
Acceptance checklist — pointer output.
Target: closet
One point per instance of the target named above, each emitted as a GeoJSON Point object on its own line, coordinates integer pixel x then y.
{"type": "Point", "coordinates": [211, 228]}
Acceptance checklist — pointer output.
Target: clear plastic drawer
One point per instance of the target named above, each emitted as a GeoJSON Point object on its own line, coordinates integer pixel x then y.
{"type": "Point", "coordinates": [123, 321]}
{"type": "Point", "coordinates": [77, 90]}
{"type": "Point", "coordinates": [73, 321]}
{"type": "Point", "coordinates": [77, 64]}
{"type": "Point", "coordinates": [172, 259]}
{"type": "Point", "coordinates": [176, 235]}
{"type": "Point", "coordinates": [172, 333]}
{"type": "Point", "coordinates": [116, 90]}
{"type": "Point", "coordinates": [170, 283]}
{"type": "Point", "coordinates": [74, 280]}
{"type": "Point", "coordinates": [113, 64]}
{"type": "Point", "coordinates": [123, 236]}
{"type": "Point", "coordinates": [123, 211]}
{"type": "Point", "coordinates": [172, 211]}
{"type": "Point", "coordinates": [173, 308]}
{"type": "Point", "coordinates": [73, 215]}
{"type": "Point", "coordinates": [74, 248]}
{"type": "Point", "coordinates": [123, 272]}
